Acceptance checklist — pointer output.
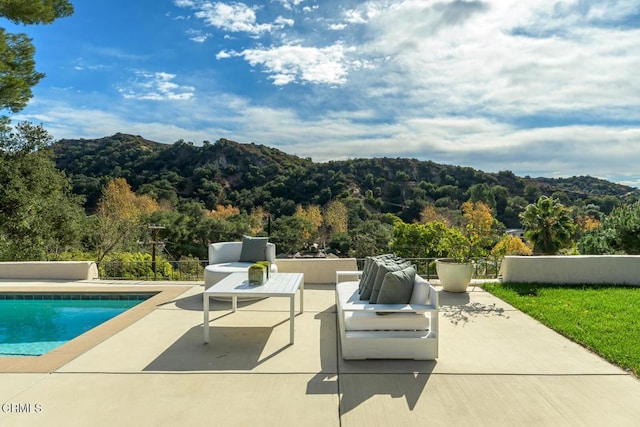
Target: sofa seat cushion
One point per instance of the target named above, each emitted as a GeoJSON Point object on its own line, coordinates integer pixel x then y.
{"type": "Point", "coordinates": [229, 267]}
{"type": "Point", "coordinates": [365, 319]}
{"type": "Point", "coordinates": [370, 321]}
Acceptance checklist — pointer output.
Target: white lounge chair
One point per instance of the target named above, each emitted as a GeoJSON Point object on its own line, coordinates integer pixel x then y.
{"type": "Point", "coordinates": [224, 259]}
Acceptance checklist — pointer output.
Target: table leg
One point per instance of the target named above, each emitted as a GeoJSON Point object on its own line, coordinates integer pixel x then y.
{"type": "Point", "coordinates": [234, 303]}
{"type": "Point", "coordinates": [292, 317]}
{"type": "Point", "coordinates": [302, 297]}
{"type": "Point", "coordinates": [205, 324]}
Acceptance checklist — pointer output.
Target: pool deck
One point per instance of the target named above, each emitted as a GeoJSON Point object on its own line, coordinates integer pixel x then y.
{"type": "Point", "coordinates": [497, 367]}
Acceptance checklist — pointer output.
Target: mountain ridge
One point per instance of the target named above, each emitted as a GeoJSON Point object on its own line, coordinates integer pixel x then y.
{"type": "Point", "coordinates": [248, 174]}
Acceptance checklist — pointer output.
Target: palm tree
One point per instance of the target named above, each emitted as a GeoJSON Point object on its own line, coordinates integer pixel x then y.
{"type": "Point", "coordinates": [548, 225]}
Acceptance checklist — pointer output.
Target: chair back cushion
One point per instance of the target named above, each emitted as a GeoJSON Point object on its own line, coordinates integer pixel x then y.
{"type": "Point", "coordinates": [397, 286]}
{"type": "Point", "coordinates": [253, 249]}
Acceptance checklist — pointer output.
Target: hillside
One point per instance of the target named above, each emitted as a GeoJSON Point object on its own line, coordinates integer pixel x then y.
{"type": "Point", "coordinates": [249, 175]}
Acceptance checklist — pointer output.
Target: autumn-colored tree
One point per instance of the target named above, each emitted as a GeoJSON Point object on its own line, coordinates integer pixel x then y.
{"type": "Point", "coordinates": [120, 216]}
{"type": "Point", "coordinates": [256, 220]}
{"type": "Point", "coordinates": [336, 217]}
{"type": "Point", "coordinates": [430, 214]}
{"type": "Point", "coordinates": [587, 223]}
{"type": "Point", "coordinates": [510, 245]}
{"type": "Point", "coordinates": [313, 215]}
{"type": "Point", "coordinates": [221, 212]}
{"type": "Point", "coordinates": [479, 227]}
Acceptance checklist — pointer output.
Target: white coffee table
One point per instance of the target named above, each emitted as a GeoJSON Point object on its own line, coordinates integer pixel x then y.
{"type": "Point", "coordinates": [237, 285]}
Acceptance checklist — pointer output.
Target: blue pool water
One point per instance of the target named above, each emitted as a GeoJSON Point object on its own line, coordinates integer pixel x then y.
{"type": "Point", "coordinates": [32, 325]}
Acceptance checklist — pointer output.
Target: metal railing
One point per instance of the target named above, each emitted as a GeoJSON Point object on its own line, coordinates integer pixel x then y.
{"type": "Point", "coordinates": [484, 268]}
{"type": "Point", "coordinates": [193, 270]}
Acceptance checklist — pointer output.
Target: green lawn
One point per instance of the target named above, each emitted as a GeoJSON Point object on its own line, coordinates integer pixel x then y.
{"type": "Point", "coordinates": [604, 319]}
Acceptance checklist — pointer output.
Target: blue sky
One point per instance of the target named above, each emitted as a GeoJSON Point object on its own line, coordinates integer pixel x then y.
{"type": "Point", "coordinates": [538, 87]}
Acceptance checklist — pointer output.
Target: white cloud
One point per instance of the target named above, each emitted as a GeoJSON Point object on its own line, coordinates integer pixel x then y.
{"type": "Point", "coordinates": [234, 17]}
{"type": "Point", "coordinates": [284, 22]}
{"type": "Point", "coordinates": [184, 3]}
{"type": "Point", "coordinates": [198, 36]}
{"type": "Point", "coordinates": [223, 54]}
{"type": "Point", "coordinates": [156, 86]}
{"type": "Point", "coordinates": [471, 58]}
{"type": "Point", "coordinates": [289, 4]}
{"type": "Point", "coordinates": [337, 27]}
{"type": "Point", "coordinates": [287, 64]}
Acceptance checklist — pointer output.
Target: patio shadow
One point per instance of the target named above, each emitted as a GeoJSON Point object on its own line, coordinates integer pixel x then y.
{"type": "Point", "coordinates": [458, 308]}
{"type": "Point", "coordinates": [230, 349]}
{"type": "Point", "coordinates": [356, 389]}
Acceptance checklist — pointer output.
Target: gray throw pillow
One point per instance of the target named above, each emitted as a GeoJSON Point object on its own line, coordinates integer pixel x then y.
{"type": "Point", "coordinates": [253, 249]}
{"type": "Point", "coordinates": [397, 287]}
{"type": "Point", "coordinates": [368, 261]}
{"type": "Point", "coordinates": [369, 271]}
{"type": "Point", "coordinates": [385, 267]}
{"type": "Point", "coordinates": [368, 282]}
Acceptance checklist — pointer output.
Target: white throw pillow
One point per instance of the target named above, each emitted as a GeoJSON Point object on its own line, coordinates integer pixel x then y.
{"type": "Point", "coordinates": [420, 293]}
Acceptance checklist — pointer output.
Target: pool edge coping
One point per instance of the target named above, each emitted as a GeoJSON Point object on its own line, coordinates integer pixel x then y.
{"type": "Point", "coordinates": [55, 359]}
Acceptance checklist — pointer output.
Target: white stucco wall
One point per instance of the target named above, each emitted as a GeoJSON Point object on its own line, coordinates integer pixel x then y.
{"type": "Point", "coordinates": [316, 270]}
{"type": "Point", "coordinates": [50, 270]}
{"type": "Point", "coordinates": [576, 269]}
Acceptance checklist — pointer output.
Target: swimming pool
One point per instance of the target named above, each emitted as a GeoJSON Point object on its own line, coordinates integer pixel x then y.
{"type": "Point", "coordinates": [35, 324]}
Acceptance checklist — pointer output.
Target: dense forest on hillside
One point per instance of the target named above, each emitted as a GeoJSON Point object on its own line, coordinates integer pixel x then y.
{"type": "Point", "coordinates": [250, 175]}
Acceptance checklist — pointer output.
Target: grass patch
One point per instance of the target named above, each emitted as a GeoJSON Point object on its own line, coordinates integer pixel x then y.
{"type": "Point", "coordinates": [602, 318]}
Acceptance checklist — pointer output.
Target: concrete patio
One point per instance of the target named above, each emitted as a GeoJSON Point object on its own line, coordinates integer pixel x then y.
{"type": "Point", "coordinates": [496, 366]}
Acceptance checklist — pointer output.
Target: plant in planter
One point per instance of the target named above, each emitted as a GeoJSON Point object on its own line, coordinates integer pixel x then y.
{"type": "Point", "coordinates": [464, 246]}
{"type": "Point", "coordinates": [257, 274]}
{"type": "Point", "coordinates": [456, 270]}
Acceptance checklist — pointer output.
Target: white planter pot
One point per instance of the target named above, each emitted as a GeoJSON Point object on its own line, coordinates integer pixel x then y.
{"type": "Point", "coordinates": [454, 276]}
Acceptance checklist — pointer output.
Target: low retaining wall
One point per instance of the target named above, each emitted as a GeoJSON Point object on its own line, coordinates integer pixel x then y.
{"type": "Point", "coordinates": [576, 269]}
{"type": "Point", "coordinates": [50, 270]}
{"type": "Point", "coordinates": [316, 270]}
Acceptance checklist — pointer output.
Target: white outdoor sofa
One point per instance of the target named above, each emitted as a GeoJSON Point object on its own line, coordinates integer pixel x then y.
{"type": "Point", "coordinates": [404, 331]}
{"type": "Point", "coordinates": [224, 260]}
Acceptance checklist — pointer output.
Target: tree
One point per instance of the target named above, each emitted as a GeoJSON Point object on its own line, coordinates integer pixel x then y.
{"type": "Point", "coordinates": [256, 219]}
{"type": "Point", "coordinates": [190, 229]}
{"type": "Point", "coordinates": [35, 11]}
{"type": "Point", "coordinates": [625, 222]}
{"type": "Point", "coordinates": [480, 227]}
{"type": "Point", "coordinates": [222, 211]}
{"type": "Point", "coordinates": [370, 237]}
{"type": "Point", "coordinates": [313, 215]}
{"type": "Point", "coordinates": [548, 225]}
{"type": "Point", "coordinates": [510, 245]}
{"type": "Point", "coordinates": [618, 232]}
{"type": "Point", "coordinates": [17, 66]}
{"type": "Point", "coordinates": [288, 232]}
{"type": "Point", "coordinates": [419, 240]}
{"type": "Point", "coordinates": [39, 216]}
{"type": "Point", "coordinates": [482, 193]}
{"type": "Point", "coordinates": [336, 218]}
{"type": "Point", "coordinates": [429, 214]}
{"type": "Point", "coordinates": [120, 216]}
